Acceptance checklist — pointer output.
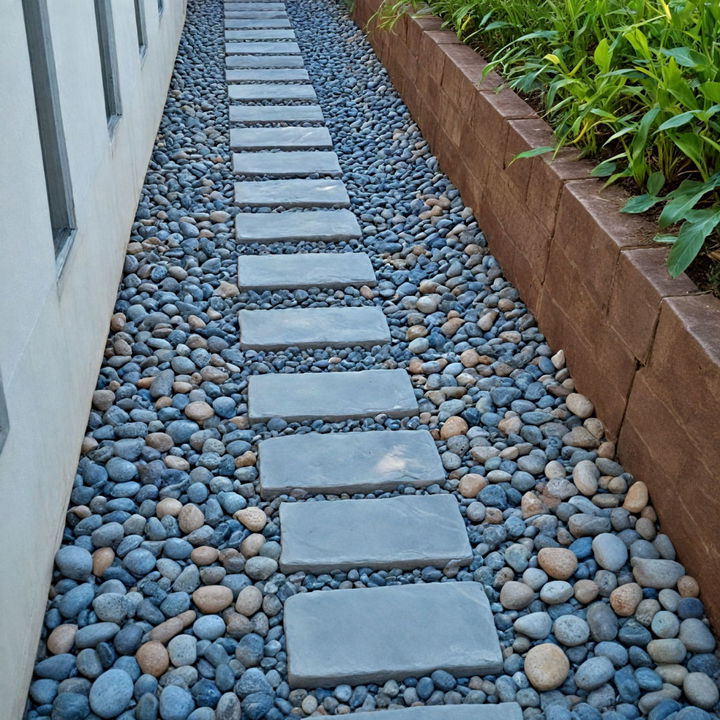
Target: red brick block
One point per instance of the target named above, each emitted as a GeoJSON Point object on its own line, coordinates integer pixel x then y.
{"type": "Point", "coordinates": [640, 284]}
{"type": "Point", "coordinates": [524, 135]}
{"type": "Point", "coordinates": [592, 231]}
{"type": "Point", "coordinates": [416, 26]}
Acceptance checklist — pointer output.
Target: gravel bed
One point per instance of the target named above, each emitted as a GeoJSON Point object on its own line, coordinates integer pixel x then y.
{"type": "Point", "coordinates": [167, 601]}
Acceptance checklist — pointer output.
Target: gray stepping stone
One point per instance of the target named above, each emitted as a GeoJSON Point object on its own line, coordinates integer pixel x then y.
{"type": "Point", "coordinates": [287, 164]}
{"type": "Point", "coordinates": [263, 91]}
{"type": "Point", "coordinates": [328, 270]}
{"type": "Point", "coordinates": [255, 14]}
{"type": "Point", "coordinates": [262, 48]}
{"type": "Point", "coordinates": [238, 24]}
{"type": "Point", "coordinates": [271, 74]}
{"type": "Point", "coordinates": [500, 711]}
{"type": "Point", "coordinates": [410, 531]}
{"type": "Point", "coordinates": [320, 225]}
{"type": "Point", "coordinates": [264, 61]}
{"type": "Point", "coordinates": [313, 327]}
{"type": "Point", "coordinates": [370, 635]}
{"type": "Point", "coordinates": [275, 113]}
{"type": "Point", "coordinates": [282, 138]}
{"type": "Point", "coordinates": [355, 462]}
{"type": "Point", "coordinates": [291, 193]}
{"type": "Point", "coordinates": [243, 6]}
{"type": "Point", "coordinates": [259, 35]}
{"type": "Point", "coordinates": [331, 395]}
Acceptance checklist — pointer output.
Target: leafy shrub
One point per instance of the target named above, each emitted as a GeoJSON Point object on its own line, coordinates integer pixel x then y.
{"type": "Point", "coordinates": [633, 83]}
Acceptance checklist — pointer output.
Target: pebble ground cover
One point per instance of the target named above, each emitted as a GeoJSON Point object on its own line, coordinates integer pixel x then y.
{"type": "Point", "coordinates": [167, 601]}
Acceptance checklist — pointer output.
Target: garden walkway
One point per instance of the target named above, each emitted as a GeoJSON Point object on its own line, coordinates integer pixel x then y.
{"type": "Point", "coordinates": [332, 465]}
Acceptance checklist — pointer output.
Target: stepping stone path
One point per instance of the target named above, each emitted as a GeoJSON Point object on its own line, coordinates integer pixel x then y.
{"type": "Point", "coordinates": [360, 635]}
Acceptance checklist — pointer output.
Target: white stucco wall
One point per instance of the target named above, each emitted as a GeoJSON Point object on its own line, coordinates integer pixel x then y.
{"type": "Point", "coordinates": [53, 328]}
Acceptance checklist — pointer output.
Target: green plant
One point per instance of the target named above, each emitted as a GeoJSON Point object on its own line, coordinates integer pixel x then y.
{"type": "Point", "coordinates": [634, 84]}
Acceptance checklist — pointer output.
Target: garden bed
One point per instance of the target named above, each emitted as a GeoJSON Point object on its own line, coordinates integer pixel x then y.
{"type": "Point", "coordinates": [643, 346]}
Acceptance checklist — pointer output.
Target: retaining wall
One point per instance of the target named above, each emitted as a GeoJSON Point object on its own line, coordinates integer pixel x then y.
{"type": "Point", "coordinates": [644, 347]}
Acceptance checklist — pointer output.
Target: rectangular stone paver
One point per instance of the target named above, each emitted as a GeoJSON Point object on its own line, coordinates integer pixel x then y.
{"type": "Point", "coordinates": [409, 531]}
{"type": "Point", "coordinates": [355, 462]}
{"type": "Point", "coordinates": [330, 395]}
{"type": "Point", "coordinates": [268, 74]}
{"type": "Point", "coordinates": [370, 635]}
{"type": "Point", "coordinates": [312, 327]}
{"type": "Point", "coordinates": [255, 15]}
{"type": "Point", "coordinates": [264, 61]}
{"type": "Point", "coordinates": [243, 6]}
{"type": "Point", "coordinates": [320, 225]}
{"type": "Point", "coordinates": [305, 270]}
{"type": "Point", "coordinates": [248, 24]}
{"type": "Point", "coordinates": [287, 164]}
{"type": "Point", "coordinates": [263, 91]}
{"type": "Point", "coordinates": [257, 114]}
{"type": "Point", "coordinates": [291, 193]}
{"type": "Point", "coordinates": [262, 48]}
{"type": "Point", "coordinates": [271, 34]}
{"type": "Point", "coordinates": [283, 138]}
{"type": "Point", "coordinates": [499, 711]}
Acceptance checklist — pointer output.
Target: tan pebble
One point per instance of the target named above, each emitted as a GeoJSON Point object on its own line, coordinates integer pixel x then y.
{"type": "Point", "coordinates": [546, 667]}
{"type": "Point", "coordinates": [253, 518]}
{"type": "Point", "coordinates": [249, 601]}
{"type": "Point", "coordinates": [167, 630]}
{"type": "Point", "coordinates": [226, 290]}
{"type": "Point", "coordinates": [469, 358]}
{"type": "Point", "coordinates": [585, 476]}
{"type": "Point", "coordinates": [176, 463]}
{"type": "Point", "coordinates": [190, 518]}
{"type": "Point", "coordinates": [88, 445]}
{"type": "Point", "coordinates": [617, 485]}
{"type": "Point", "coordinates": [237, 625]}
{"type": "Point", "coordinates": [579, 405]}
{"type": "Point", "coordinates": [688, 586]}
{"type": "Point", "coordinates": [153, 658]}
{"type": "Point", "coordinates": [646, 611]}
{"type": "Point", "coordinates": [648, 512]}
{"type": "Point", "coordinates": [625, 599]}
{"type": "Point", "coordinates": [516, 595]}
{"type": "Point", "coordinates": [586, 591]}
{"type": "Point", "coordinates": [645, 528]}
{"type": "Point", "coordinates": [199, 411]}
{"type": "Point", "coordinates": [453, 426]}
{"type": "Point", "coordinates": [160, 441]}
{"type": "Point", "coordinates": [102, 560]}
{"type": "Point", "coordinates": [416, 331]}
{"type": "Point", "coordinates": [637, 497]}
{"type": "Point", "coordinates": [182, 387]}
{"type": "Point", "coordinates": [145, 382]}
{"type": "Point", "coordinates": [531, 505]}
{"type": "Point", "coordinates": [494, 516]}
{"type": "Point", "coordinates": [450, 327]}
{"type": "Point", "coordinates": [82, 511]}
{"type": "Point", "coordinates": [247, 459]}
{"type": "Point", "coordinates": [212, 598]}
{"type": "Point", "coordinates": [62, 639]}
{"type": "Point", "coordinates": [558, 563]}
{"type": "Point", "coordinates": [204, 555]}
{"type": "Point", "coordinates": [673, 674]}
{"type": "Point", "coordinates": [117, 321]}
{"type": "Point", "coordinates": [163, 402]}
{"type": "Point", "coordinates": [606, 450]}
{"type": "Point", "coordinates": [251, 545]}
{"type": "Point", "coordinates": [511, 424]}
{"type": "Point", "coordinates": [595, 428]}
{"type": "Point", "coordinates": [367, 293]}
{"type": "Point", "coordinates": [168, 506]}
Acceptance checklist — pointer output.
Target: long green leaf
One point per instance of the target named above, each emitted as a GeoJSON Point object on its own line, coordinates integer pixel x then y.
{"type": "Point", "coordinates": [690, 240]}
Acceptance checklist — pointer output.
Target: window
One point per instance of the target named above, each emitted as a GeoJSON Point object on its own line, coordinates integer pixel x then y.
{"type": "Point", "coordinates": [50, 128]}
{"type": "Point", "coordinates": [108, 61]}
{"type": "Point", "coordinates": [140, 25]}
{"type": "Point", "coordinates": [4, 421]}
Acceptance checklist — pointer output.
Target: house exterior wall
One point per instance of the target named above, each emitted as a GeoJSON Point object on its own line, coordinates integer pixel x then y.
{"type": "Point", "coordinates": [54, 318]}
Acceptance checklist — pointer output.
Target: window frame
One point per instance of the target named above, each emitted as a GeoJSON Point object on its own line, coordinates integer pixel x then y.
{"type": "Point", "coordinates": [107, 47]}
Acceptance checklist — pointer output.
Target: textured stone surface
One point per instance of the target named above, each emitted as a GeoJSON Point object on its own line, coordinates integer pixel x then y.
{"type": "Point", "coordinates": [266, 34]}
{"type": "Point", "coordinates": [292, 193]}
{"type": "Point", "coordinates": [262, 48]}
{"type": "Point", "coordinates": [375, 634]}
{"type": "Point", "coordinates": [272, 92]}
{"type": "Point", "coordinates": [377, 460]}
{"type": "Point", "coordinates": [264, 61]}
{"type": "Point", "coordinates": [325, 225]}
{"type": "Point", "coordinates": [331, 270]}
{"type": "Point", "coordinates": [253, 14]}
{"type": "Point", "coordinates": [257, 114]}
{"type": "Point", "coordinates": [330, 395]}
{"type": "Point", "coordinates": [400, 532]}
{"type": "Point", "coordinates": [268, 74]}
{"type": "Point", "coordinates": [287, 164]}
{"type": "Point", "coordinates": [313, 327]}
{"type": "Point", "coordinates": [260, 22]}
{"type": "Point", "coordinates": [285, 138]}
{"type": "Point", "coordinates": [500, 711]}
